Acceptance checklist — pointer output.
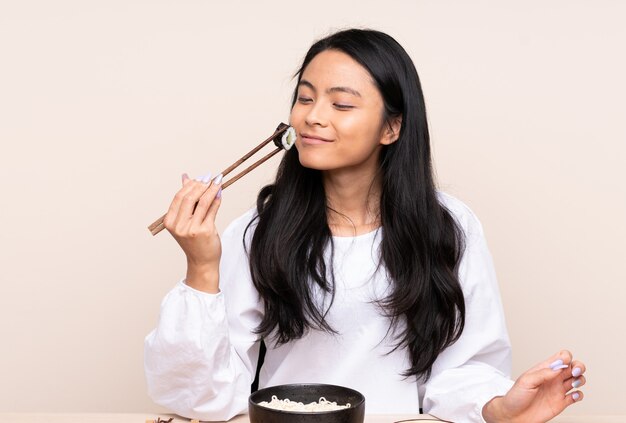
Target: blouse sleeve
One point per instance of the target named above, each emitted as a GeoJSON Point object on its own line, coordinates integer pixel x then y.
{"type": "Point", "coordinates": [477, 367]}
{"type": "Point", "coordinates": [201, 358]}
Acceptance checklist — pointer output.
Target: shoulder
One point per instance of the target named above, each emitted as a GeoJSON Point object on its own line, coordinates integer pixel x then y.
{"type": "Point", "coordinates": [465, 217]}
{"type": "Point", "coordinates": [476, 270]}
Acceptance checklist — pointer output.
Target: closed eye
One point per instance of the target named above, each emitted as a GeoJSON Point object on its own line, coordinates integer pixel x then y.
{"type": "Point", "coordinates": [344, 106]}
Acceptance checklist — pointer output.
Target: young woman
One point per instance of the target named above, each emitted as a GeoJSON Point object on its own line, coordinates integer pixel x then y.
{"type": "Point", "coordinates": [352, 268]}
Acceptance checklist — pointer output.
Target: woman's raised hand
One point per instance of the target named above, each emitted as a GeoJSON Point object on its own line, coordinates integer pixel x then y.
{"type": "Point", "coordinates": [193, 227]}
{"type": "Point", "coordinates": [541, 393]}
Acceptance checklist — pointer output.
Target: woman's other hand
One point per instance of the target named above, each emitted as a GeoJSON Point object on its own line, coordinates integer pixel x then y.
{"type": "Point", "coordinates": [541, 393]}
{"type": "Point", "coordinates": [193, 227]}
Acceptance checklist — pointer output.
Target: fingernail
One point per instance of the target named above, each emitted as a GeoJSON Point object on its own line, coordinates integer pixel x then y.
{"type": "Point", "coordinates": [577, 371]}
{"type": "Point", "coordinates": [576, 383]}
{"type": "Point", "coordinates": [219, 193]}
{"type": "Point", "coordinates": [562, 366]}
{"type": "Point", "coordinates": [184, 176]}
{"type": "Point", "coordinates": [218, 179]}
{"type": "Point", "coordinates": [556, 363]}
{"type": "Point", "coordinates": [206, 178]}
{"type": "Point", "coordinates": [575, 395]}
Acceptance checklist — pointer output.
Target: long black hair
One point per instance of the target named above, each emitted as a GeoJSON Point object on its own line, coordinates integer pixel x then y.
{"type": "Point", "coordinates": [421, 245]}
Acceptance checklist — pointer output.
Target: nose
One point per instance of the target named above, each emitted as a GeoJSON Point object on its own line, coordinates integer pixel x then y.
{"type": "Point", "coordinates": [316, 115]}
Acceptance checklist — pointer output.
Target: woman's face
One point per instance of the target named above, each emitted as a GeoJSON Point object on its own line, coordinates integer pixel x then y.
{"type": "Point", "coordinates": [338, 114]}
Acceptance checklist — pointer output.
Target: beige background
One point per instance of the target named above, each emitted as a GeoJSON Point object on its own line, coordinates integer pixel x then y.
{"type": "Point", "coordinates": [103, 104]}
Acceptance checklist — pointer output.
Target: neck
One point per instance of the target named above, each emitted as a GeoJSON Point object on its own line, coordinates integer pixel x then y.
{"type": "Point", "coordinates": [353, 201]}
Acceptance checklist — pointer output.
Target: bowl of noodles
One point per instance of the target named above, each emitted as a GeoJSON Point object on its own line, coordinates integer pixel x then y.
{"type": "Point", "coordinates": [306, 402]}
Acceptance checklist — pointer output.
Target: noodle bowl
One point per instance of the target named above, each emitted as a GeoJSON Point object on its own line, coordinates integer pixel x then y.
{"type": "Point", "coordinates": [306, 403]}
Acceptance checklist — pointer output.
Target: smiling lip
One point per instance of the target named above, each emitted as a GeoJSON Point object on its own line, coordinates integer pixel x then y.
{"type": "Point", "coordinates": [311, 139]}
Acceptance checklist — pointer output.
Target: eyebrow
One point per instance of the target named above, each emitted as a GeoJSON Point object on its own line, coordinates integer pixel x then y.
{"type": "Point", "coordinates": [332, 89]}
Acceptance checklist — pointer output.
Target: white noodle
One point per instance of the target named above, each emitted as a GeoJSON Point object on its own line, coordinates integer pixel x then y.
{"type": "Point", "coordinates": [322, 405]}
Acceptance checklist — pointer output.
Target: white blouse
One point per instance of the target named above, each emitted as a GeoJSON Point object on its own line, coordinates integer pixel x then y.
{"type": "Point", "coordinates": [201, 359]}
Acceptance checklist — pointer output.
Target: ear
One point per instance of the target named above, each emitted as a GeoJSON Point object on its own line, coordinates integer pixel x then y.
{"type": "Point", "coordinates": [391, 131]}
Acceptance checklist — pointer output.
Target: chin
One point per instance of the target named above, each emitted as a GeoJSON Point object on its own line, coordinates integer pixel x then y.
{"type": "Point", "coordinates": [314, 165]}
{"type": "Point", "coordinates": [317, 163]}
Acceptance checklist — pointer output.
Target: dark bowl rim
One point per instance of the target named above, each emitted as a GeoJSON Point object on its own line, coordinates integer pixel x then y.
{"type": "Point", "coordinates": [308, 413]}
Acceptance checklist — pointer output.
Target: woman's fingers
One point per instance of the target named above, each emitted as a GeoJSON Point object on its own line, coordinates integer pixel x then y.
{"type": "Point", "coordinates": [575, 378]}
{"type": "Point", "coordinates": [574, 383]}
{"type": "Point", "coordinates": [533, 379]}
{"type": "Point", "coordinates": [205, 179]}
{"type": "Point", "coordinates": [191, 203]}
{"type": "Point", "coordinates": [215, 205]}
{"type": "Point", "coordinates": [547, 388]}
{"type": "Point", "coordinates": [573, 397]}
{"type": "Point", "coordinates": [559, 365]}
{"type": "Point", "coordinates": [188, 204]}
{"type": "Point", "coordinates": [193, 210]}
{"type": "Point", "coordinates": [172, 213]}
{"type": "Point", "coordinates": [560, 359]}
{"type": "Point", "coordinates": [205, 202]}
{"type": "Point", "coordinates": [578, 368]}
{"type": "Point", "coordinates": [569, 399]}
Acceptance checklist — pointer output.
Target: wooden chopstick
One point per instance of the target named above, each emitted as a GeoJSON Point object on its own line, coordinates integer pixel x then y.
{"type": "Point", "coordinates": [158, 225]}
{"type": "Point", "coordinates": [249, 168]}
{"type": "Point", "coordinates": [279, 130]}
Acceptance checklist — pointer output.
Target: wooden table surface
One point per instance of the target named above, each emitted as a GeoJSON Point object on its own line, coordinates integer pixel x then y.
{"type": "Point", "coordinates": [143, 417]}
